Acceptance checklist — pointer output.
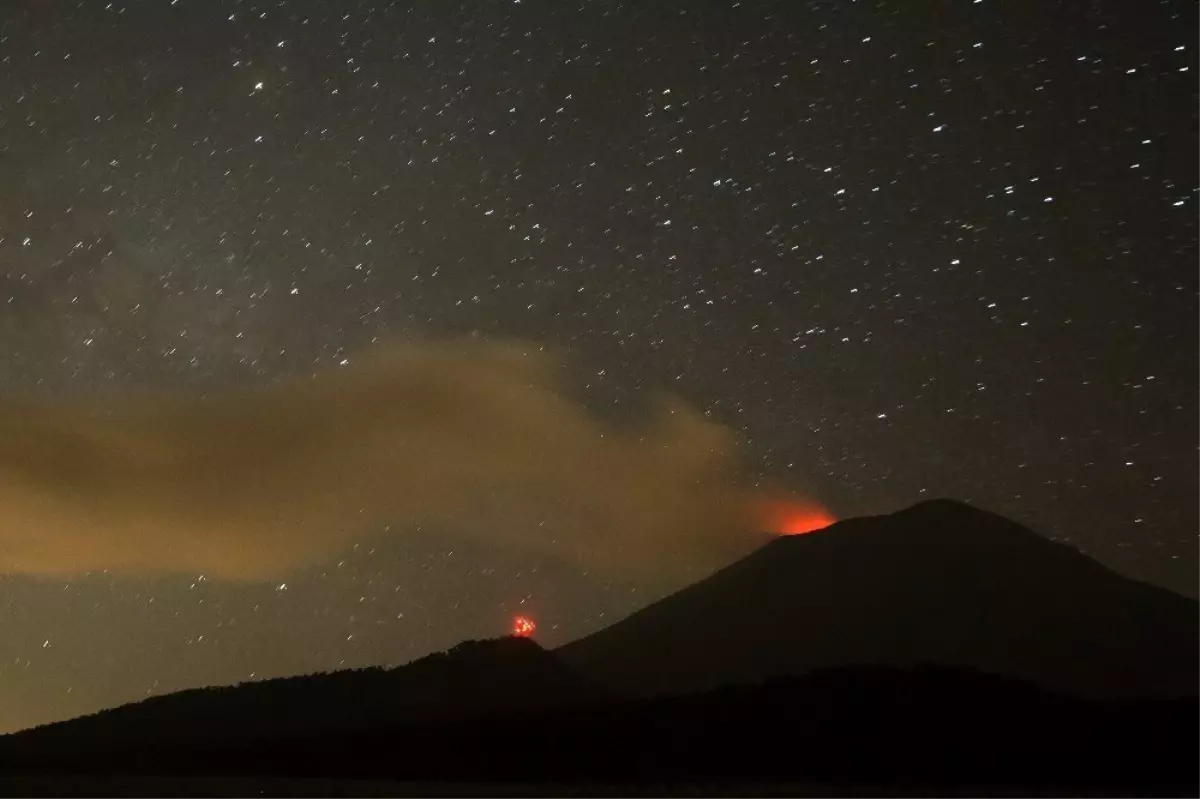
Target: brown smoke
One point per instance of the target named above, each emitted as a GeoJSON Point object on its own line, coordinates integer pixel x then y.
{"type": "Point", "coordinates": [254, 484]}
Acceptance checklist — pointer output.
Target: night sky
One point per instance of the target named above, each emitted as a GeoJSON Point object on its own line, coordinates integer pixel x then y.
{"type": "Point", "coordinates": [853, 255]}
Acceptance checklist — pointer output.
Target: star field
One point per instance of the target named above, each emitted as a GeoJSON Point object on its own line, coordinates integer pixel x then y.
{"type": "Point", "coordinates": [903, 252]}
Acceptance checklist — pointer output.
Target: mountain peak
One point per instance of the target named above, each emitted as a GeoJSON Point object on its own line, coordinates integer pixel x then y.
{"type": "Point", "coordinates": [943, 505]}
{"type": "Point", "coordinates": [927, 529]}
{"type": "Point", "coordinates": [506, 646]}
{"type": "Point", "coordinates": [939, 582]}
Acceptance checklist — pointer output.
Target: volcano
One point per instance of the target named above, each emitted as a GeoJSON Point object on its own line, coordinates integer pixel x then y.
{"type": "Point", "coordinates": [939, 583]}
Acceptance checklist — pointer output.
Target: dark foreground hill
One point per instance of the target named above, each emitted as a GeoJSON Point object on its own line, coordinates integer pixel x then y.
{"type": "Point", "coordinates": [940, 582]}
{"type": "Point", "coordinates": [882, 731]}
{"type": "Point", "coordinates": [473, 678]}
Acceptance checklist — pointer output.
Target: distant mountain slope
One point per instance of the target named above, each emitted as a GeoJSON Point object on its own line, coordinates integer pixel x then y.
{"type": "Point", "coordinates": [473, 678]}
{"type": "Point", "coordinates": [940, 582]}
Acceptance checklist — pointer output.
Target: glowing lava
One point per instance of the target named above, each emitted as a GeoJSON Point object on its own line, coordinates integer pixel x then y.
{"type": "Point", "coordinates": [523, 626]}
{"type": "Point", "coordinates": [796, 517]}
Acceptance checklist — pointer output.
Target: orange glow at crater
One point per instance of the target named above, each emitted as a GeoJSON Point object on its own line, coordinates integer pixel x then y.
{"type": "Point", "coordinates": [523, 626]}
{"type": "Point", "coordinates": [796, 517]}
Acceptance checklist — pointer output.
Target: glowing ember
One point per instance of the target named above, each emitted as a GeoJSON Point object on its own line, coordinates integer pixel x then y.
{"type": "Point", "coordinates": [807, 522]}
{"type": "Point", "coordinates": [523, 627]}
{"type": "Point", "coordinates": [796, 517]}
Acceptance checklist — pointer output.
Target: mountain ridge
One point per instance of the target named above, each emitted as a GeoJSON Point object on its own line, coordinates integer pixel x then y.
{"type": "Point", "coordinates": [940, 581]}
{"type": "Point", "coordinates": [736, 681]}
{"type": "Point", "coordinates": [833, 732]}
{"type": "Point", "coordinates": [472, 678]}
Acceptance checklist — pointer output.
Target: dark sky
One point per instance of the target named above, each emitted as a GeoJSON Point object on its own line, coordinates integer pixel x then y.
{"type": "Point", "coordinates": [885, 250]}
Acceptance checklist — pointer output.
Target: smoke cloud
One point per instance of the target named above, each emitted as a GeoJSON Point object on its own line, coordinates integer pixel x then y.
{"type": "Point", "coordinates": [470, 436]}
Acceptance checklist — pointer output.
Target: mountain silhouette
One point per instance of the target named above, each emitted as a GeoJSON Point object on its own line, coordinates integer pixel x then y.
{"type": "Point", "coordinates": [473, 678]}
{"type": "Point", "coordinates": [940, 582]}
{"type": "Point", "coordinates": [938, 650]}
{"type": "Point", "coordinates": [841, 732]}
